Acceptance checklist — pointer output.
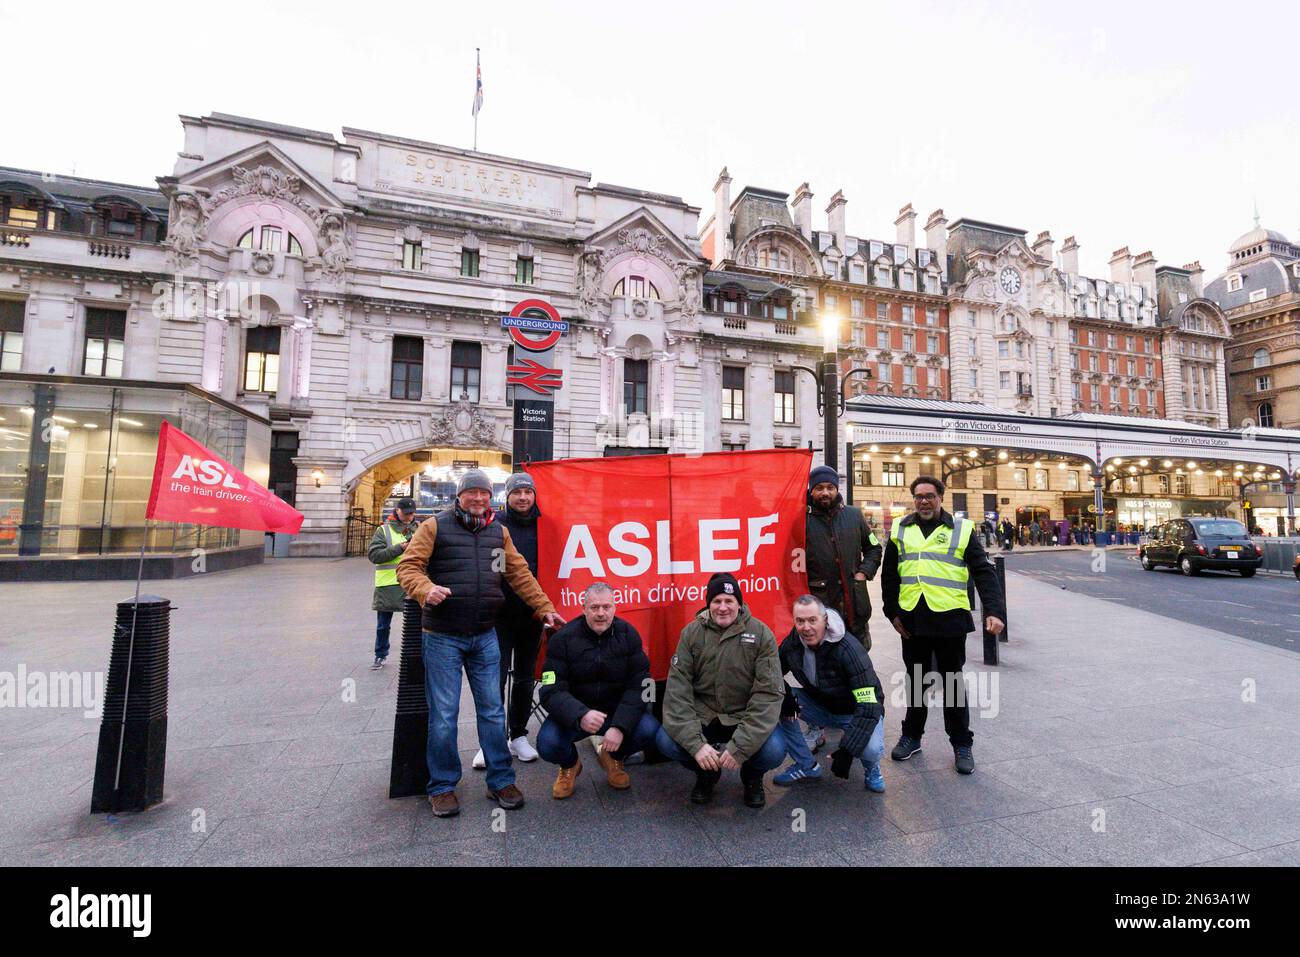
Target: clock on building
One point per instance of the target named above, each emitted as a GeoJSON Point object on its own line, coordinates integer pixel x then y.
{"type": "Point", "coordinates": [1010, 280]}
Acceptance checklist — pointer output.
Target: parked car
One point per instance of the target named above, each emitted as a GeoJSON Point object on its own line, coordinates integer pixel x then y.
{"type": "Point", "coordinates": [1194, 544]}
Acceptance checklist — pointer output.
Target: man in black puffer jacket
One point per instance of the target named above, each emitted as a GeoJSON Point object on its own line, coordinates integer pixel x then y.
{"type": "Point", "coordinates": [843, 552]}
{"type": "Point", "coordinates": [831, 682]}
{"type": "Point", "coordinates": [519, 634]}
{"type": "Point", "coordinates": [596, 680]}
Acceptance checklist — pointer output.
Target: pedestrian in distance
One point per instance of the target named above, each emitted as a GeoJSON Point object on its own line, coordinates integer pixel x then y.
{"type": "Point", "coordinates": [453, 568]}
{"type": "Point", "coordinates": [595, 680]}
{"type": "Point", "coordinates": [724, 695]}
{"type": "Point", "coordinates": [830, 681]}
{"type": "Point", "coordinates": [386, 548]}
{"type": "Point", "coordinates": [929, 560]}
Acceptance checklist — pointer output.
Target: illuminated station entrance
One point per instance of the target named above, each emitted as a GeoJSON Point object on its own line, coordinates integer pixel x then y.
{"type": "Point", "coordinates": [429, 476]}
{"type": "Point", "coordinates": [1112, 473]}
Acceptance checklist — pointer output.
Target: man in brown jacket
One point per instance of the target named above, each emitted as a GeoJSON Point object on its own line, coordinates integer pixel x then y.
{"type": "Point", "coordinates": [454, 567]}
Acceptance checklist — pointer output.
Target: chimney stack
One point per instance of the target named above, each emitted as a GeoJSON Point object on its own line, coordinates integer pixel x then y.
{"type": "Point", "coordinates": [835, 218]}
{"type": "Point", "coordinates": [1121, 266]}
{"type": "Point", "coordinates": [1197, 273]}
{"type": "Point", "coordinates": [722, 217]}
{"type": "Point", "coordinates": [936, 239]}
{"type": "Point", "coordinates": [803, 210]}
{"type": "Point", "coordinates": [906, 223]}
{"type": "Point", "coordinates": [1044, 248]}
{"type": "Point", "coordinates": [1070, 256]}
{"type": "Point", "coordinates": [1144, 273]}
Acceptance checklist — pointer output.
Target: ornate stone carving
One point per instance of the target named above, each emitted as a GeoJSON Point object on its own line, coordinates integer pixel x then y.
{"type": "Point", "coordinates": [462, 426]}
{"type": "Point", "coordinates": [691, 298]}
{"type": "Point", "coordinates": [641, 240]}
{"type": "Point", "coordinates": [591, 271]}
{"type": "Point", "coordinates": [265, 181]}
{"type": "Point", "coordinates": [334, 255]}
{"type": "Point", "coordinates": [187, 226]}
{"type": "Point", "coordinates": [263, 263]}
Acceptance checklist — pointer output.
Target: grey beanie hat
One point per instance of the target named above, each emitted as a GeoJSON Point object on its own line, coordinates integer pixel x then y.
{"type": "Point", "coordinates": [474, 478]}
{"type": "Point", "coordinates": [519, 480]}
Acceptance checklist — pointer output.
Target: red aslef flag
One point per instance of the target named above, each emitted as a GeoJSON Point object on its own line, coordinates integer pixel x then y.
{"type": "Point", "coordinates": [656, 528]}
{"type": "Point", "coordinates": [193, 485]}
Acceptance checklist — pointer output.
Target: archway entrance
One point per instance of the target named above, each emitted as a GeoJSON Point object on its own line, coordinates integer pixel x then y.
{"type": "Point", "coordinates": [428, 475]}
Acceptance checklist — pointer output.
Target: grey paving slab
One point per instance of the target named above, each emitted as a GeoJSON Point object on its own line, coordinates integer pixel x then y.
{"type": "Point", "coordinates": [983, 844]}
{"type": "Point", "coordinates": [1060, 779]}
{"type": "Point", "coordinates": [938, 799]}
{"type": "Point", "coordinates": [1118, 832]}
{"type": "Point", "coordinates": [476, 852]}
{"type": "Point", "coordinates": [1253, 811]}
{"type": "Point", "coordinates": [1280, 855]}
{"type": "Point", "coordinates": [1271, 743]}
{"type": "Point", "coordinates": [1172, 760]}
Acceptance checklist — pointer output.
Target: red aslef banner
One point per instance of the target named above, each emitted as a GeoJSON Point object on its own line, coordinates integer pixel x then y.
{"type": "Point", "coordinates": [656, 527]}
{"type": "Point", "coordinates": [193, 485]}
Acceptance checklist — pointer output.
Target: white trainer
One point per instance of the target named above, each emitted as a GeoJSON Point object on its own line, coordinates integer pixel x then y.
{"type": "Point", "coordinates": [521, 749]}
{"type": "Point", "coordinates": [479, 762]}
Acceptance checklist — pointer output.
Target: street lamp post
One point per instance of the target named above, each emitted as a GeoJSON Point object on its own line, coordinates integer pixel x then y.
{"type": "Point", "coordinates": [829, 373]}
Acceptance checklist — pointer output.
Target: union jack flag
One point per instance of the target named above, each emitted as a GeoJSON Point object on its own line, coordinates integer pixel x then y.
{"type": "Point", "coordinates": [478, 85]}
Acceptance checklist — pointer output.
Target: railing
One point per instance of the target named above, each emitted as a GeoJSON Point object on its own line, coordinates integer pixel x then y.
{"type": "Point", "coordinates": [785, 328]}
{"type": "Point", "coordinates": [360, 530]}
{"type": "Point", "coordinates": [15, 239]}
{"type": "Point", "coordinates": [1279, 554]}
{"type": "Point", "coordinates": [730, 322]}
{"type": "Point", "coordinates": [112, 250]}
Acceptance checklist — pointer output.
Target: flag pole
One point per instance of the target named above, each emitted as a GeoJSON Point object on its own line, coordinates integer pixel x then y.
{"type": "Point", "coordinates": [130, 653]}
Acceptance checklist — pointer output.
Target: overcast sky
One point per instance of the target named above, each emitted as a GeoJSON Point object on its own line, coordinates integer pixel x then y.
{"type": "Point", "coordinates": [1152, 125]}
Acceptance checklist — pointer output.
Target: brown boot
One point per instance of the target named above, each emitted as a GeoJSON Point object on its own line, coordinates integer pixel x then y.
{"type": "Point", "coordinates": [614, 772]}
{"type": "Point", "coordinates": [564, 782]}
{"type": "Point", "coordinates": [509, 797]}
{"type": "Point", "coordinates": [445, 804]}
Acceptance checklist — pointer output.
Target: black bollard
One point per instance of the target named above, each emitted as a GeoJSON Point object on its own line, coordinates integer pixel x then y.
{"type": "Point", "coordinates": [410, 771]}
{"type": "Point", "coordinates": [132, 755]}
{"type": "Point", "coordinates": [1000, 566]}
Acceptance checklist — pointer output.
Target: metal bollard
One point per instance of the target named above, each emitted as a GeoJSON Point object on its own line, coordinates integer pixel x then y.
{"type": "Point", "coordinates": [410, 769]}
{"type": "Point", "coordinates": [132, 756]}
{"type": "Point", "coordinates": [1000, 566]}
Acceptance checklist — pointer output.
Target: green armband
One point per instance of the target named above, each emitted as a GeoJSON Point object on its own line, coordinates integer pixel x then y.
{"type": "Point", "coordinates": [871, 537]}
{"type": "Point", "coordinates": [864, 695]}
{"type": "Point", "coordinates": [548, 677]}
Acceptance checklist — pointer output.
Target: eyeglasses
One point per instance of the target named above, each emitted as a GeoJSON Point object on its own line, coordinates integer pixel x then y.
{"type": "Point", "coordinates": [928, 497]}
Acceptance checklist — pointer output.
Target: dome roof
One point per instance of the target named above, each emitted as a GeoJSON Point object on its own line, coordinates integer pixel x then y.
{"type": "Point", "coordinates": [1255, 237]}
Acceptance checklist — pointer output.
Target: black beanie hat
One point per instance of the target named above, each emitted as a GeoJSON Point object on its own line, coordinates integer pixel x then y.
{"type": "Point", "coordinates": [723, 583]}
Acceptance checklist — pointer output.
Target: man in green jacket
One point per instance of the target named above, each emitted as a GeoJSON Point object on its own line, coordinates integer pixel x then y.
{"type": "Point", "coordinates": [723, 700]}
{"type": "Point", "coordinates": [385, 551]}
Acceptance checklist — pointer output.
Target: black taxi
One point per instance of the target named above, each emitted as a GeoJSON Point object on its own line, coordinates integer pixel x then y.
{"type": "Point", "coordinates": [1196, 543]}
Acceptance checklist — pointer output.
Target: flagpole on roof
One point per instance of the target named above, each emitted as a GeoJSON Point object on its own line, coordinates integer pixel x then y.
{"type": "Point", "coordinates": [478, 93]}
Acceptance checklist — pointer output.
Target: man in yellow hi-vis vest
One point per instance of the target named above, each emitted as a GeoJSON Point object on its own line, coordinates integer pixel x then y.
{"type": "Point", "coordinates": [386, 548]}
{"type": "Point", "coordinates": [929, 559]}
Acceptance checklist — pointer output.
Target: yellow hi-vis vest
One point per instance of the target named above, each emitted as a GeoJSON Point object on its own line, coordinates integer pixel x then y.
{"type": "Point", "coordinates": [386, 574]}
{"type": "Point", "coordinates": [934, 566]}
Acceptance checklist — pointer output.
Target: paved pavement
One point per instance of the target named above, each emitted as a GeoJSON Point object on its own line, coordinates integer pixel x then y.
{"type": "Point", "coordinates": [1117, 736]}
{"type": "Point", "coordinates": [1265, 608]}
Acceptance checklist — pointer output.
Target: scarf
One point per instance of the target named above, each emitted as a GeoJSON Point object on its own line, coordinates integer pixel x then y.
{"type": "Point", "coordinates": [472, 524]}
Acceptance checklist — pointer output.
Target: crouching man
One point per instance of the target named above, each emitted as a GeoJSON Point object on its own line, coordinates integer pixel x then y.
{"type": "Point", "coordinates": [594, 681]}
{"type": "Point", "coordinates": [724, 695]}
{"type": "Point", "coordinates": [831, 683]}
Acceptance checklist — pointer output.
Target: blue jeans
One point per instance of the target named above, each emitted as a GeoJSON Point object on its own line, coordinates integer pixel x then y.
{"type": "Point", "coordinates": [812, 712]}
{"type": "Point", "coordinates": [480, 657]}
{"type": "Point", "coordinates": [771, 754]}
{"type": "Point", "coordinates": [382, 629]}
{"type": "Point", "coordinates": [555, 742]}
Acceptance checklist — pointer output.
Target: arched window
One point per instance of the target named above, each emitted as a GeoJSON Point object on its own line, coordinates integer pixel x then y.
{"type": "Point", "coordinates": [1260, 358]}
{"type": "Point", "coordinates": [270, 239]}
{"type": "Point", "coordinates": [1265, 415]}
{"type": "Point", "coordinates": [637, 286]}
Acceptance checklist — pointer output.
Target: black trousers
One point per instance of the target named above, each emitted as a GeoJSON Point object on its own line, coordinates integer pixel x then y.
{"type": "Point", "coordinates": [946, 656]}
{"type": "Point", "coordinates": [519, 640]}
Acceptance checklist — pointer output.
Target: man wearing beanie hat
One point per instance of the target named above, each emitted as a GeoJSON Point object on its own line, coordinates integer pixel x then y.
{"type": "Point", "coordinates": [385, 550]}
{"type": "Point", "coordinates": [518, 632]}
{"type": "Point", "coordinates": [842, 552]}
{"type": "Point", "coordinates": [452, 567]}
{"type": "Point", "coordinates": [724, 694]}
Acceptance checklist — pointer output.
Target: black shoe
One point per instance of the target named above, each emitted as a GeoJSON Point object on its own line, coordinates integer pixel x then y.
{"type": "Point", "coordinates": [965, 760]}
{"type": "Point", "coordinates": [754, 795]}
{"type": "Point", "coordinates": [702, 793]}
{"type": "Point", "coordinates": [906, 747]}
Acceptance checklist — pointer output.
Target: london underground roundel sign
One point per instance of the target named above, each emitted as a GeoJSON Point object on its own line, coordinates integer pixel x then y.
{"type": "Point", "coordinates": [534, 325]}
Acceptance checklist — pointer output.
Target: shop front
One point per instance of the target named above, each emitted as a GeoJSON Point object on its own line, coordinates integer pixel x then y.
{"type": "Point", "coordinates": [76, 467]}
